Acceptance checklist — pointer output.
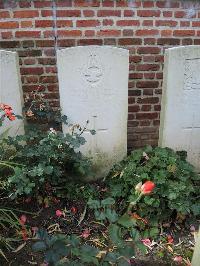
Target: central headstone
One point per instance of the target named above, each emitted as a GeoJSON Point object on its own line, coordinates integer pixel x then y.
{"type": "Point", "coordinates": [93, 84]}
{"type": "Point", "coordinates": [180, 112]}
{"type": "Point", "coordinates": [11, 91]}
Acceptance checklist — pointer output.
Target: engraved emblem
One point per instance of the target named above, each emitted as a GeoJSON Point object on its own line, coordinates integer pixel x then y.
{"type": "Point", "coordinates": [93, 72]}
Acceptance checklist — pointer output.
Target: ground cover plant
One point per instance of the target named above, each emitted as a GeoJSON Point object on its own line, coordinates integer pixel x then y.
{"type": "Point", "coordinates": [147, 208]}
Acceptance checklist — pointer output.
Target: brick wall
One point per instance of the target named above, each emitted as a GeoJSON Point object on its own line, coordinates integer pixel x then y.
{"type": "Point", "coordinates": [37, 28]}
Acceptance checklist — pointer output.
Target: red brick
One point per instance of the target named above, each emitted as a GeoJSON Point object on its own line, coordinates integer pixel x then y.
{"type": "Point", "coordinates": [180, 14]}
{"type": "Point", "coordinates": [185, 23]}
{"type": "Point", "coordinates": [88, 23]}
{"type": "Point", "coordinates": [149, 59]}
{"type": "Point", "coordinates": [135, 76]}
{"type": "Point", "coordinates": [167, 14]}
{"type": "Point", "coordinates": [28, 44]}
{"type": "Point", "coordinates": [110, 41]}
{"type": "Point", "coordinates": [24, 3]}
{"type": "Point", "coordinates": [48, 79]}
{"type": "Point", "coordinates": [44, 23]}
{"type": "Point", "coordinates": [187, 41]}
{"type": "Point", "coordinates": [128, 13]}
{"type": "Point", "coordinates": [147, 100]}
{"type": "Point", "coordinates": [9, 44]}
{"type": "Point", "coordinates": [127, 32]}
{"type": "Point", "coordinates": [182, 33]}
{"type": "Point", "coordinates": [66, 43]}
{"type": "Point", "coordinates": [195, 23]}
{"type": "Point", "coordinates": [148, 50]}
{"type": "Point", "coordinates": [134, 92]}
{"type": "Point", "coordinates": [147, 32]}
{"type": "Point", "coordinates": [45, 43]}
{"type": "Point", "coordinates": [68, 13]}
{"type": "Point", "coordinates": [150, 41]}
{"type": "Point", "coordinates": [86, 3]}
{"type": "Point", "coordinates": [6, 35]}
{"type": "Point", "coordinates": [108, 3]}
{"type": "Point", "coordinates": [109, 32]}
{"type": "Point", "coordinates": [109, 13]}
{"type": "Point", "coordinates": [146, 116]}
{"type": "Point", "coordinates": [64, 23]}
{"type": "Point", "coordinates": [29, 61]}
{"type": "Point", "coordinates": [166, 23]}
{"type": "Point", "coordinates": [31, 70]}
{"type": "Point", "coordinates": [32, 79]}
{"type": "Point", "coordinates": [4, 14]}
{"type": "Point", "coordinates": [88, 13]}
{"type": "Point", "coordinates": [46, 13]}
{"type": "Point", "coordinates": [166, 32]}
{"type": "Point", "coordinates": [147, 23]}
{"type": "Point", "coordinates": [135, 59]}
{"type": "Point", "coordinates": [42, 3]}
{"type": "Point", "coordinates": [89, 33]}
{"type": "Point", "coordinates": [167, 4]}
{"type": "Point", "coordinates": [64, 3]}
{"type": "Point", "coordinates": [148, 67]}
{"type": "Point", "coordinates": [51, 70]}
{"type": "Point", "coordinates": [47, 61]}
{"type": "Point", "coordinates": [26, 14]}
{"type": "Point", "coordinates": [168, 41]}
{"type": "Point", "coordinates": [69, 33]}
{"type": "Point", "coordinates": [9, 25]}
{"type": "Point", "coordinates": [26, 24]}
{"type": "Point", "coordinates": [146, 108]}
{"type": "Point", "coordinates": [125, 23]}
{"type": "Point", "coordinates": [90, 42]}
{"type": "Point", "coordinates": [28, 34]}
{"type": "Point", "coordinates": [30, 88]}
{"type": "Point", "coordinates": [49, 33]}
{"type": "Point", "coordinates": [147, 84]}
{"type": "Point", "coordinates": [148, 13]}
{"type": "Point", "coordinates": [147, 4]}
{"type": "Point", "coordinates": [130, 41]}
{"type": "Point", "coordinates": [108, 22]}
{"type": "Point", "coordinates": [157, 107]}
{"type": "Point", "coordinates": [133, 108]}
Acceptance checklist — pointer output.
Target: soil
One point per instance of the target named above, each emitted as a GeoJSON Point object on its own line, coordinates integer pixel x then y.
{"type": "Point", "coordinates": [42, 217]}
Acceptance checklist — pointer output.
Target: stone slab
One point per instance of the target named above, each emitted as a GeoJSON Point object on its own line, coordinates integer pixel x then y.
{"type": "Point", "coordinates": [93, 85]}
{"type": "Point", "coordinates": [180, 107]}
{"type": "Point", "coordinates": [11, 90]}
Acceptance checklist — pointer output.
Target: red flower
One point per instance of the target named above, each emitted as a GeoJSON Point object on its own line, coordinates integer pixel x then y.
{"type": "Point", "coordinates": [22, 219]}
{"type": "Point", "coordinates": [147, 187]}
{"type": "Point", "coordinates": [73, 210]}
{"type": "Point", "coordinates": [170, 239]}
{"type": "Point", "coordinates": [24, 234]}
{"type": "Point", "coordinates": [59, 213]}
{"type": "Point", "coordinates": [11, 117]}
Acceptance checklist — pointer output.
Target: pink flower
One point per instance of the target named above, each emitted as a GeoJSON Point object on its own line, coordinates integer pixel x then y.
{"type": "Point", "coordinates": [170, 239]}
{"type": "Point", "coordinates": [22, 219]}
{"type": "Point", "coordinates": [146, 242]}
{"type": "Point", "coordinates": [59, 213]}
{"type": "Point", "coordinates": [85, 233]}
{"type": "Point", "coordinates": [178, 259]}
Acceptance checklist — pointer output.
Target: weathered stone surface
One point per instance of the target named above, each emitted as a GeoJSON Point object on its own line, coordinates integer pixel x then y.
{"type": "Point", "coordinates": [93, 84]}
{"type": "Point", "coordinates": [180, 112]}
{"type": "Point", "coordinates": [10, 90]}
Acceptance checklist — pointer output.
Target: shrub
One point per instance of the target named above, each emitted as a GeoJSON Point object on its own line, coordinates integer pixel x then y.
{"type": "Point", "coordinates": [177, 184]}
{"type": "Point", "coordinates": [47, 160]}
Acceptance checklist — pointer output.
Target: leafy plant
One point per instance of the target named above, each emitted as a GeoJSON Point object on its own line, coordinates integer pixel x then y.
{"type": "Point", "coordinates": [50, 161]}
{"type": "Point", "coordinates": [104, 209]}
{"type": "Point", "coordinates": [70, 250]}
{"type": "Point", "coordinates": [177, 184]}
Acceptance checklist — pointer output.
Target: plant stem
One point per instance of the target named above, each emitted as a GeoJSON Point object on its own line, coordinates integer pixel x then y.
{"type": "Point", "coordinates": [133, 203]}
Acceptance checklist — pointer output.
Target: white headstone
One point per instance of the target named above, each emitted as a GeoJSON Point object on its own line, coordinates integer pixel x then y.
{"type": "Point", "coordinates": [11, 91]}
{"type": "Point", "coordinates": [180, 108]}
{"type": "Point", "coordinates": [93, 84]}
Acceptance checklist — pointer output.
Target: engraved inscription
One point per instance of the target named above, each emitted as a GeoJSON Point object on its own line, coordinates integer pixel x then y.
{"type": "Point", "coordinates": [192, 74]}
{"type": "Point", "coordinates": [93, 72]}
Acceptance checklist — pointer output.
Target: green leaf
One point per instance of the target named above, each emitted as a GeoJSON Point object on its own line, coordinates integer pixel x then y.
{"type": "Point", "coordinates": [39, 246]}
{"type": "Point", "coordinates": [126, 221]}
{"type": "Point", "coordinates": [135, 234]}
{"type": "Point", "coordinates": [111, 215]}
{"type": "Point", "coordinates": [115, 234]}
{"type": "Point", "coordinates": [107, 201]}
